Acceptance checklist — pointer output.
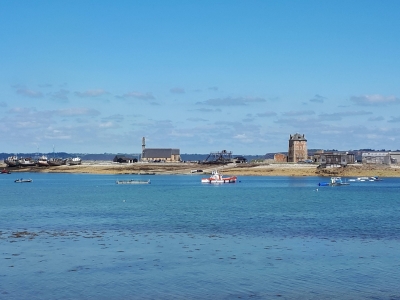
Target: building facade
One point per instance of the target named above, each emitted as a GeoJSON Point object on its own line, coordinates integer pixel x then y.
{"type": "Point", "coordinates": [159, 154]}
{"type": "Point", "coordinates": [279, 157]}
{"type": "Point", "coordinates": [297, 148]}
{"type": "Point", "coordinates": [335, 159]}
{"type": "Point", "coordinates": [380, 158]}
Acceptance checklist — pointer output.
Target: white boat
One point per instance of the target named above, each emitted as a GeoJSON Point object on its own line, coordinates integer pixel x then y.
{"type": "Point", "coordinates": [26, 162]}
{"type": "Point", "coordinates": [132, 181]}
{"type": "Point", "coordinates": [42, 161]}
{"type": "Point", "coordinates": [335, 181]}
{"type": "Point", "coordinates": [12, 161]}
{"type": "Point", "coordinates": [22, 180]}
{"type": "Point", "coordinates": [74, 161]}
{"type": "Point", "coordinates": [216, 177]}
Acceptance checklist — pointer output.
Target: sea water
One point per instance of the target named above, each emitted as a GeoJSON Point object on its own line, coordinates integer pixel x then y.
{"type": "Point", "coordinates": [69, 236]}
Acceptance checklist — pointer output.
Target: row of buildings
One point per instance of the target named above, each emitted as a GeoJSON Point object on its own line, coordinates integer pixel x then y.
{"type": "Point", "coordinates": [297, 152]}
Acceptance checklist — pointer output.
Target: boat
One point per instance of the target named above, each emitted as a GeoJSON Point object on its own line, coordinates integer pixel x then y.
{"type": "Point", "coordinates": [43, 161]}
{"type": "Point", "coordinates": [26, 162]}
{"type": "Point", "coordinates": [22, 180]}
{"type": "Point", "coordinates": [56, 161]}
{"type": "Point", "coordinates": [335, 181]}
{"type": "Point", "coordinates": [4, 171]}
{"type": "Point", "coordinates": [132, 181]}
{"type": "Point", "coordinates": [371, 178]}
{"type": "Point", "coordinates": [12, 161]}
{"type": "Point", "coordinates": [216, 177]}
{"type": "Point", "coordinates": [74, 161]}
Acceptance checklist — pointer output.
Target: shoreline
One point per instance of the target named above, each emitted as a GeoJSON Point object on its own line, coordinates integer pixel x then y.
{"type": "Point", "coordinates": [284, 169]}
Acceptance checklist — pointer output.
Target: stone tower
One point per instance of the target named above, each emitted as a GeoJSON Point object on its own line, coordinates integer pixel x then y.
{"type": "Point", "coordinates": [297, 148]}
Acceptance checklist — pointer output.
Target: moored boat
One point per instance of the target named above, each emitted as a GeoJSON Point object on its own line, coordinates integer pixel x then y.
{"type": "Point", "coordinates": [132, 181]}
{"type": "Point", "coordinates": [4, 171]}
{"type": "Point", "coordinates": [335, 181]}
{"type": "Point", "coordinates": [21, 180]}
{"type": "Point", "coordinates": [216, 177]}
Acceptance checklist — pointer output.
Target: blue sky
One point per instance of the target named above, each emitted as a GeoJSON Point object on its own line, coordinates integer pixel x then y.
{"type": "Point", "coordinates": [201, 76]}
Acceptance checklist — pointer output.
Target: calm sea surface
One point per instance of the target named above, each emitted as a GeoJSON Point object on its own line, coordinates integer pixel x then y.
{"type": "Point", "coordinates": [67, 236]}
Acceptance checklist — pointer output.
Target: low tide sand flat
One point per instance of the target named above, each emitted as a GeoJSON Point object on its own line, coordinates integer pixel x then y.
{"type": "Point", "coordinates": [233, 169]}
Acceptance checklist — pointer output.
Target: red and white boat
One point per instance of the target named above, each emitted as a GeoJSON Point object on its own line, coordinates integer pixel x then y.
{"type": "Point", "coordinates": [218, 178]}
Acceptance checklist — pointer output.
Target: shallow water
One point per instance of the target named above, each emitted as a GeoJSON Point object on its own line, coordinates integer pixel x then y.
{"type": "Point", "coordinates": [67, 236]}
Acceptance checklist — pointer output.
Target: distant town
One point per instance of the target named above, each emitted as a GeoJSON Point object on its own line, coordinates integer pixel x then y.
{"type": "Point", "coordinates": [297, 153]}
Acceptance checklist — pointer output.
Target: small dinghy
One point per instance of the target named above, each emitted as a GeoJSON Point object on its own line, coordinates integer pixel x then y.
{"type": "Point", "coordinates": [22, 180]}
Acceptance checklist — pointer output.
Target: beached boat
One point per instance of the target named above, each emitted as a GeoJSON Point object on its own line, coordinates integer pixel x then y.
{"type": "Point", "coordinates": [132, 181]}
{"type": "Point", "coordinates": [12, 161]}
{"type": "Point", "coordinates": [56, 161]}
{"type": "Point", "coordinates": [4, 171]}
{"type": "Point", "coordinates": [22, 180]}
{"type": "Point", "coordinates": [26, 162]}
{"type": "Point", "coordinates": [74, 161]}
{"type": "Point", "coordinates": [335, 181]}
{"type": "Point", "coordinates": [43, 161]}
{"type": "Point", "coordinates": [216, 177]}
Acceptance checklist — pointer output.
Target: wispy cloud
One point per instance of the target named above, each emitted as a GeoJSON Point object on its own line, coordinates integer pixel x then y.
{"type": "Point", "coordinates": [204, 110]}
{"type": "Point", "coordinates": [213, 88]}
{"type": "Point", "coordinates": [3, 104]}
{"type": "Point", "coordinates": [196, 119]}
{"type": "Point", "coordinates": [73, 112]}
{"type": "Point", "coordinates": [115, 118]}
{"type": "Point", "coordinates": [394, 120]}
{"type": "Point", "coordinates": [375, 119]}
{"type": "Point", "coordinates": [298, 113]}
{"type": "Point", "coordinates": [318, 99]}
{"type": "Point", "coordinates": [177, 90]}
{"type": "Point", "coordinates": [61, 95]}
{"type": "Point", "coordinates": [91, 93]}
{"type": "Point", "coordinates": [137, 95]}
{"type": "Point", "coordinates": [29, 93]}
{"type": "Point", "coordinates": [241, 101]}
{"type": "Point", "coordinates": [339, 115]}
{"type": "Point", "coordinates": [45, 85]}
{"type": "Point", "coordinates": [375, 100]}
{"type": "Point", "coordinates": [266, 114]}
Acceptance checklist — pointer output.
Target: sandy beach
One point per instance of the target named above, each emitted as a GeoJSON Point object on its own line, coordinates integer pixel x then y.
{"type": "Point", "coordinates": [250, 169]}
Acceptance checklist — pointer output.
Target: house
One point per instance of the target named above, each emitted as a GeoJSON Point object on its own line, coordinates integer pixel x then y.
{"type": "Point", "coordinates": [240, 160]}
{"type": "Point", "coordinates": [382, 158]}
{"type": "Point", "coordinates": [161, 155]}
{"type": "Point", "coordinates": [334, 159]}
{"type": "Point", "coordinates": [124, 159]}
{"type": "Point", "coordinates": [279, 157]}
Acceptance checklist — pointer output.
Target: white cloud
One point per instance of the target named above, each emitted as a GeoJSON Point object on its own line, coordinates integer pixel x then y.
{"type": "Point", "coordinates": [240, 101]}
{"type": "Point", "coordinates": [299, 113]}
{"type": "Point", "coordinates": [375, 100]}
{"type": "Point", "coordinates": [91, 93]}
{"type": "Point", "coordinates": [177, 90]}
{"type": "Point", "coordinates": [137, 95]}
{"type": "Point", "coordinates": [318, 99]}
{"type": "Point", "coordinates": [72, 112]}
{"type": "Point", "coordinates": [29, 93]}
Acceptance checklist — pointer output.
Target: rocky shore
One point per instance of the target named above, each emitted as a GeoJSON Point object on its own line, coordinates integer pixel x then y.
{"type": "Point", "coordinates": [96, 167]}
